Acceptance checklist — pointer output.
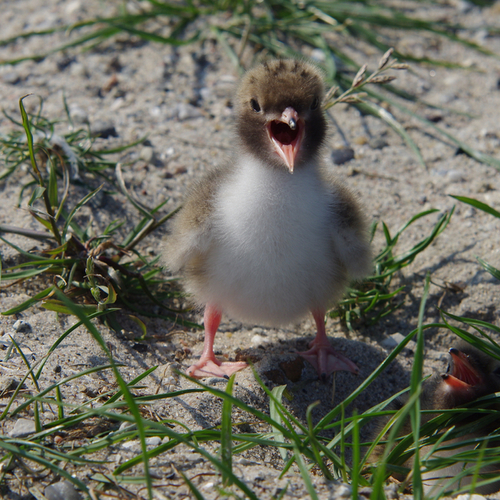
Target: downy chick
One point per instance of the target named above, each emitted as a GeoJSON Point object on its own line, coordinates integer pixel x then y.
{"type": "Point", "coordinates": [471, 375]}
{"type": "Point", "coordinates": [271, 236]}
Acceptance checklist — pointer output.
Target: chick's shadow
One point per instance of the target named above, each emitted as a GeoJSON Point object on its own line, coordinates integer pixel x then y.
{"type": "Point", "coordinates": [282, 361]}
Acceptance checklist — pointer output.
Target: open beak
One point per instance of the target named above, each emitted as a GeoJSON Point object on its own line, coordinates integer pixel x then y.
{"type": "Point", "coordinates": [461, 374]}
{"type": "Point", "coordinates": [286, 135]}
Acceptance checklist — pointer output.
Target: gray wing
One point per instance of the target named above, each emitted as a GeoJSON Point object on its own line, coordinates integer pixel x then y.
{"type": "Point", "coordinates": [349, 230]}
{"type": "Point", "coordinates": [192, 228]}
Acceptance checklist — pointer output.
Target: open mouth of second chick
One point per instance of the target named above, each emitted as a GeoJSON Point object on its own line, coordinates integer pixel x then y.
{"type": "Point", "coordinates": [461, 373]}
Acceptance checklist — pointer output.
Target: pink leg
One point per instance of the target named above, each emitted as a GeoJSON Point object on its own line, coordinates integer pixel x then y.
{"type": "Point", "coordinates": [208, 365]}
{"type": "Point", "coordinates": [322, 355]}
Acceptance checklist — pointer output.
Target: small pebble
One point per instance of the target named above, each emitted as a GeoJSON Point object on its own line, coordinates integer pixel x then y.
{"type": "Point", "coordinates": [434, 116]}
{"type": "Point", "coordinates": [394, 340]}
{"type": "Point", "coordinates": [8, 384]}
{"type": "Point", "coordinates": [467, 496]}
{"type": "Point", "coordinates": [6, 341]}
{"type": "Point", "coordinates": [125, 425]}
{"type": "Point", "coordinates": [257, 340]}
{"type": "Point", "coordinates": [147, 154]}
{"type": "Point", "coordinates": [22, 428]}
{"type": "Point", "coordinates": [343, 491]}
{"type": "Point", "coordinates": [11, 77]}
{"type": "Point", "coordinates": [78, 70]}
{"type": "Point", "coordinates": [72, 7]}
{"type": "Point", "coordinates": [63, 490]}
{"type": "Point", "coordinates": [78, 114]}
{"type": "Point", "coordinates": [21, 326]}
{"type": "Point", "coordinates": [155, 111]}
{"type": "Point", "coordinates": [342, 155]}
{"type": "Point", "coordinates": [130, 445]}
{"type": "Point", "coordinates": [365, 491]}
{"type": "Point", "coordinates": [258, 330]}
{"type": "Point", "coordinates": [103, 129]}
{"type": "Point", "coordinates": [454, 176]}
{"type": "Point", "coordinates": [391, 492]}
{"type": "Point", "coordinates": [153, 441]}
{"type": "Point", "coordinates": [377, 143]}
{"type": "Point", "coordinates": [187, 112]}
{"type": "Point", "coordinates": [180, 170]}
{"type": "Point", "coordinates": [245, 461]}
{"type": "Point", "coordinates": [361, 140]}
{"type": "Point", "coordinates": [470, 212]}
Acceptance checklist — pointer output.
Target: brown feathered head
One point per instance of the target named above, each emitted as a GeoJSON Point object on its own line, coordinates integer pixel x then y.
{"type": "Point", "coordinates": [279, 112]}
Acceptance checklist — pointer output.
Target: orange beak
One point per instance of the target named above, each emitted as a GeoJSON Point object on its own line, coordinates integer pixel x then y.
{"type": "Point", "coordinates": [286, 135]}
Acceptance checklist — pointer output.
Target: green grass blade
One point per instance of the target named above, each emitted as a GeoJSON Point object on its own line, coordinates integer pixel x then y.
{"type": "Point", "coordinates": [77, 207]}
{"type": "Point", "coordinates": [28, 233]}
{"type": "Point", "coordinates": [276, 416]}
{"type": "Point", "coordinates": [28, 455]}
{"type": "Point", "coordinates": [42, 393]}
{"type": "Point", "coordinates": [59, 307]}
{"type": "Point", "coordinates": [304, 472]}
{"type": "Point", "coordinates": [477, 204]}
{"type": "Point", "coordinates": [314, 443]}
{"type": "Point", "coordinates": [491, 347]}
{"type": "Point", "coordinates": [356, 457]}
{"type": "Point", "coordinates": [226, 443]}
{"type": "Point", "coordinates": [52, 188]}
{"type": "Point", "coordinates": [415, 390]}
{"type": "Point", "coordinates": [28, 303]}
{"type": "Point", "coordinates": [29, 136]}
{"type": "Point", "coordinates": [123, 187]}
{"type": "Point", "coordinates": [492, 270]}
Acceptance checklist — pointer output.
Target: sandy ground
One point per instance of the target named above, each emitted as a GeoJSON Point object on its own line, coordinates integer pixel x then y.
{"type": "Point", "coordinates": [181, 99]}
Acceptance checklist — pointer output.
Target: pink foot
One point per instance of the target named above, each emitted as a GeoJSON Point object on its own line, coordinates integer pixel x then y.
{"type": "Point", "coordinates": [214, 368]}
{"type": "Point", "coordinates": [208, 365]}
{"type": "Point", "coordinates": [322, 356]}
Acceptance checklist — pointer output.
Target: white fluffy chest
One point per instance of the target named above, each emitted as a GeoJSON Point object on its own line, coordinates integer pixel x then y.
{"type": "Point", "coordinates": [272, 257]}
{"type": "Point", "coordinates": [264, 210]}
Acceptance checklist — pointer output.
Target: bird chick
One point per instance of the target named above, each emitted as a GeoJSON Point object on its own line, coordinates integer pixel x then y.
{"type": "Point", "coordinates": [471, 374]}
{"type": "Point", "coordinates": [271, 235]}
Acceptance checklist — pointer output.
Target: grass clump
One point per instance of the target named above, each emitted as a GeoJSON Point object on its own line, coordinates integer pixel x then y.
{"type": "Point", "coordinates": [375, 298]}
{"type": "Point", "coordinates": [99, 271]}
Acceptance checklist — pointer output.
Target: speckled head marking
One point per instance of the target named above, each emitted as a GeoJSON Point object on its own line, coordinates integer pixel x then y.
{"type": "Point", "coordinates": [271, 92]}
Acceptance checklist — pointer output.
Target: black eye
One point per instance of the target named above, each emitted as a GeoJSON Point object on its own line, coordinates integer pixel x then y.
{"type": "Point", "coordinates": [255, 105]}
{"type": "Point", "coordinates": [315, 103]}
